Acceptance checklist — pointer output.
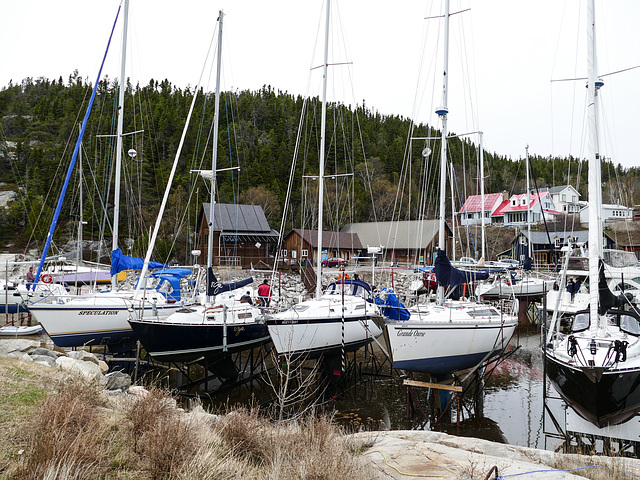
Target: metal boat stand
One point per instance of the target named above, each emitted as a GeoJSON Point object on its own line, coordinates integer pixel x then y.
{"type": "Point", "coordinates": [453, 391]}
{"type": "Point", "coordinates": [210, 376]}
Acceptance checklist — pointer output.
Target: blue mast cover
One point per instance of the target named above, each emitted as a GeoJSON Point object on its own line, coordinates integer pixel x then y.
{"type": "Point", "coordinates": [121, 262]}
{"type": "Point", "coordinates": [447, 275]}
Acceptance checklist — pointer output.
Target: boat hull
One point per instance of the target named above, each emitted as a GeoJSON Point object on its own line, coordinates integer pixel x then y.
{"type": "Point", "coordinates": [443, 348]}
{"type": "Point", "coordinates": [168, 341]}
{"type": "Point", "coordinates": [19, 330]}
{"type": "Point", "coordinates": [522, 289]}
{"type": "Point", "coordinates": [602, 397]}
{"type": "Point", "coordinates": [313, 337]}
{"type": "Point", "coordinates": [93, 321]}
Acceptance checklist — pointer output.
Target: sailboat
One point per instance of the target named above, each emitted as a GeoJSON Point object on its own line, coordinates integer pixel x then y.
{"type": "Point", "coordinates": [446, 336]}
{"type": "Point", "coordinates": [344, 317]}
{"type": "Point", "coordinates": [596, 367]}
{"type": "Point", "coordinates": [222, 324]}
{"type": "Point", "coordinates": [101, 317]}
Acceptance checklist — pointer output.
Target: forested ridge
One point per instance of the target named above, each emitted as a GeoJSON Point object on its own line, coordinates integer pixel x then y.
{"type": "Point", "coordinates": [39, 121]}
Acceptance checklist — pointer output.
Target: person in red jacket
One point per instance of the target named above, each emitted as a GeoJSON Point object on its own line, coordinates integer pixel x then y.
{"type": "Point", "coordinates": [264, 293]}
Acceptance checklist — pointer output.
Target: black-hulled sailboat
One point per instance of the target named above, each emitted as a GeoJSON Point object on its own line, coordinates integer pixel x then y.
{"type": "Point", "coordinates": [596, 366]}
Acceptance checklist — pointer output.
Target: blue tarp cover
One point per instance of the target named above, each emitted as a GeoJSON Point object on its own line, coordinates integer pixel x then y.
{"type": "Point", "coordinates": [450, 276]}
{"type": "Point", "coordinates": [121, 262]}
{"type": "Point", "coordinates": [391, 307]}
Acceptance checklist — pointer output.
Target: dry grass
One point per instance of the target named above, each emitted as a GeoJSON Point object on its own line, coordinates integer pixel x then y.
{"type": "Point", "coordinates": [55, 426]}
{"type": "Point", "coordinates": [595, 467]}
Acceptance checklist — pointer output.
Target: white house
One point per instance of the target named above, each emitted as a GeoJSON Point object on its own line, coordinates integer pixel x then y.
{"type": "Point", "coordinates": [609, 212]}
{"type": "Point", "coordinates": [565, 198]}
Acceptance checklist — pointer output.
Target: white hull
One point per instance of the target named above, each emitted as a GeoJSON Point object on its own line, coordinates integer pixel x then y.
{"type": "Point", "coordinates": [442, 339]}
{"type": "Point", "coordinates": [14, 331]}
{"type": "Point", "coordinates": [96, 319]}
{"type": "Point", "coordinates": [316, 326]}
{"type": "Point", "coordinates": [527, 287]}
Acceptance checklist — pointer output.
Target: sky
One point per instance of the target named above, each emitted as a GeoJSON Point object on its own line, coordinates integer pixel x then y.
{"type": "Point", "coordinates": [511, 50]}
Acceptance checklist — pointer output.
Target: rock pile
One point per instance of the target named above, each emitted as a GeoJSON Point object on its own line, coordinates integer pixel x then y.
{"type": "Point", "coordinates": [79, 362]}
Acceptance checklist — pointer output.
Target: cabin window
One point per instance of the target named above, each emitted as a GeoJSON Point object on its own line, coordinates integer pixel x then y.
{"type": "Point", "coordinates": [305, 252]}
{"type": "Point", "coordinates": [283, 253]}
{"type": "Point", "coordinates": [300, 308]}
{"type": "Point", "coordinates": [629, 324]}
{"type": "Point", "coordinates": [165, 287]}
{"type": "Point", "coordinates": [580, 322]}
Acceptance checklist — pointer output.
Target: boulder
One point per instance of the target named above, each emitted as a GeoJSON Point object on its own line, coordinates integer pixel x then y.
{"type": "Point", "coordinates": [10, 345]}
{"type": "Point", "coordinates": [104, 368]}
{"type": "Point", "coordinates": [44, 360]}
{"type": "Point", "coordinates": [83, 355]}
{"type": "Point", "coordinates": [118, 381]}
{"type": "Point", "coordinates": [89, 370]}
{"type": "Point", "coordinates": [45, 351]}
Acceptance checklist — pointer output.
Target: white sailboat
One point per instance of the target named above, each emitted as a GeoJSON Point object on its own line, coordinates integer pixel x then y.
{"type": "Point", "coordinates": [101, 318]}
{"type": "Point", "coordinates": [340, 319]}
{"type": "Point", "coordinates": [447, 336]}
{"type": "Point", "coordinates": [596, 366]}
{"type": "Point", "coordinates": [222, 324]}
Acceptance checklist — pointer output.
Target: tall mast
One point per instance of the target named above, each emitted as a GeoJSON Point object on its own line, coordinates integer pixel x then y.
{"type": "Point", "coordinates": [482, 192]}
{"type": "Point", "coordinates": [595, 224]}
{"type": "Point", "coordinates": [79, 254]}
{"type": "Point", "coordinates": [529, 204]}
{"type": "Point", "coordinates": [214, 161]}
{"type": "Point", "coordinates": [116, 195]}
{"type": "Point", "coordinates": [442, 113]}
{"type": "Point", "coordinates": [322, 142]}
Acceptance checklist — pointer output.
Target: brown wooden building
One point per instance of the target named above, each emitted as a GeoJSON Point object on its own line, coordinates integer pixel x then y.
{"type": "Point", "coordinates": [408, 242]}
{"type": "Point", "coordinates": [241, 235]}
{"type": "Point", "coordinates": [301, 244]}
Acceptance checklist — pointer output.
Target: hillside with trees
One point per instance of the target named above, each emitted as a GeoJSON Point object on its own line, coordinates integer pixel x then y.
{"type": "Point", "coordinates": [39, 125]}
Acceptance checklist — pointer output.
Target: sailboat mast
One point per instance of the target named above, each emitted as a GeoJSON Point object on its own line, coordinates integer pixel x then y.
{"type": "Point", "coordinates": [595, 225]}
{"type": "Point", "coordinates": [322, 143]}
{"type": "Point", "coordinates": [116, 195]}
{"type": "Point", "coordinates": [442, 113]}
{"type": "Point", "coordinates": [79, 254]}
{"type": "Point", "coordinates": [482, 192]}
{"type": "Point", "coordinates": [529, 203]}
{"type": "Point", "coordinates": [214, 161]}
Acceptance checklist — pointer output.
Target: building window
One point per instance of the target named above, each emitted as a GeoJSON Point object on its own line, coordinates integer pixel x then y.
{"type": "Point", "coordinates": [574, 199]}
{"type": "Point", "coordinates": [284, 253]}
{"type": "Point", "coordinates": [305, 252]}
{"type": "Point", "coordinates": [564, 197]}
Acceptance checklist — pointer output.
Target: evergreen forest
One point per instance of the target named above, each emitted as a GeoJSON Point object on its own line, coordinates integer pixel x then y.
{"type": "Point", "coordinates": [257, 142]}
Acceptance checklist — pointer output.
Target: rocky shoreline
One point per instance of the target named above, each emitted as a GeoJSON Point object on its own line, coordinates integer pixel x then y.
{"type": "Point", "coordinates": [393, 454]}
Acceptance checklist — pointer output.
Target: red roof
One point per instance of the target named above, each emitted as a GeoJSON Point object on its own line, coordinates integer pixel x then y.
{"type": "Point", "coordinates": [535, 198]}
{"type": "Point", "coordinates": [474, 202]}
{"type": "Point", "coordinates": [499, 211]}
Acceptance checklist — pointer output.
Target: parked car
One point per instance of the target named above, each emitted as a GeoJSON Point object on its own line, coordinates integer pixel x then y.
{"type": "Point", "coordinates": [334, 262]}
{"type": "Point", "coordinates": [467, 261]}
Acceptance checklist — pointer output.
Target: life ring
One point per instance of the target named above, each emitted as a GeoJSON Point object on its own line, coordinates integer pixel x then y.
{"type": "Point", "coordinates": [46, 278]}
